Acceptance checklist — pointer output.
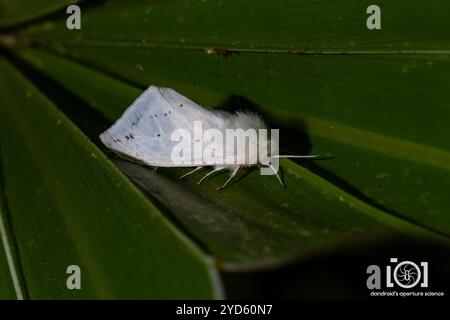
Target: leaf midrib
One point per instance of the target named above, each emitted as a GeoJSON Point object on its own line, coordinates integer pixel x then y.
{"type": "Point", "coordinates": [29, 41]}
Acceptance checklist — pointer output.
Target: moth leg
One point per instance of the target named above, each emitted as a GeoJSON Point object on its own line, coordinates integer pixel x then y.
{"type": "Point", "coordinates": [210, 173]}
{"type": "Point", "coordinates": [190, 172]}
{"type": "Point", "coordinates": [233, 174]}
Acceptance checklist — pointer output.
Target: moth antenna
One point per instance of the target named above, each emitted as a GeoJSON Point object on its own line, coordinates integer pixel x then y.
{"type": "Point", "coordinates": [276, 173]}
{"type": "Point", "coordinates": [308, 156]}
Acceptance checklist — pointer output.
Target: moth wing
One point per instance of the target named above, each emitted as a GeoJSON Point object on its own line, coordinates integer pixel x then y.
{"type": "Point", "coordinates": [144, 131]}
{"type": "Point", "coordinates": [187, 111]}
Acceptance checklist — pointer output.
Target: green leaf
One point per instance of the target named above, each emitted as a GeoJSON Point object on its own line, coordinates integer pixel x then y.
{"type": "Point", "coordinates": [281, 25]}
{"type": "Point", "coordinates": [69, 205]}
{"type": "Point", "coordinates": [274, 225]}
{"type": "Point", "coordinates": [6, 282]}
{"type": "Point", "coordinates": [18, 11]}
{"type": "Point", "coordinates": [11, 282]}
{"type": "Point", "coordinates": [376, 100]}
{"type": "Point", "coordinates": [6, 286]}
{"type": "Point", "coordinates": [356, 107]}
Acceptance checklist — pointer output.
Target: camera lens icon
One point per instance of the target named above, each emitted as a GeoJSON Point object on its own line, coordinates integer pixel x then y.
{"type": "Point", "coordinates": [407, 274]}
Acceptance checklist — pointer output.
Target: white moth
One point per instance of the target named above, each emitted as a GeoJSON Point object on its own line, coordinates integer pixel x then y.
{"type": "Point", "coordinates": [145, 133]}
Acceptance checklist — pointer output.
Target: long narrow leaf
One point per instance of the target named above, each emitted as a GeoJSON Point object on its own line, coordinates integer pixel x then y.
{"type": "Point", "coordinates": [70, 206]}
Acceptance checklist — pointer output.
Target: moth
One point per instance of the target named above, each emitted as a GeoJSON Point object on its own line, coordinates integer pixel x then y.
{"type": "Point", "coordinates": [145, 133]}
